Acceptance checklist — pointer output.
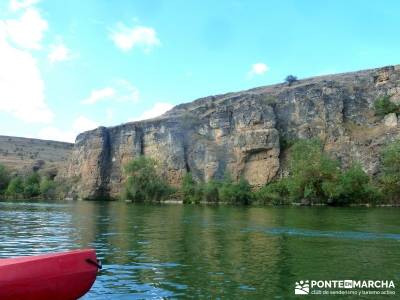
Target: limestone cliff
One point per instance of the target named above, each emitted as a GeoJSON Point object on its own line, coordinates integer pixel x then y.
{"type": "Point", "coordinates": [245, 132]}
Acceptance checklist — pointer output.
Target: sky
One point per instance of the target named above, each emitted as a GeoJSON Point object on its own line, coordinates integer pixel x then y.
{"type": "Point", "coordinates": [70, 66]}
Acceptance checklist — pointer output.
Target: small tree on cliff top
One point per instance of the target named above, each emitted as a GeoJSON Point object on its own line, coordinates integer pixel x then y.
{"type": "Point", "coordinates": [143, 183]}
{"type": "Point", "coordinates": [290, 79]}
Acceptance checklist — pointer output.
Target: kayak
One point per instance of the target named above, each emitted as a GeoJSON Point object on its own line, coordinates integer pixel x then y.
{"type": "Point", "coordinates": [62, 276]}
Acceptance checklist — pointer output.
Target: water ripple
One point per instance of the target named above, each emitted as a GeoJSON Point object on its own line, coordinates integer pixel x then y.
{"type": "Point", "coordinates": [327, 234]}
{"type": "Point", "coordinates": [160, 252]}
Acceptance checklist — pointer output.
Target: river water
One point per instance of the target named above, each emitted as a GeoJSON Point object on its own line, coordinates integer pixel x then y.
{"type": "Point", "coordinates": [176, 251]}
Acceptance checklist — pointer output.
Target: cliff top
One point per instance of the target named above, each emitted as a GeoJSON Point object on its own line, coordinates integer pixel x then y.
{"type": "Point", "coordinates": [278, 88]}
{"type": "Point", "coordinates": [6, 138]}
{"type": "Point", "coordinates": [203, 104]}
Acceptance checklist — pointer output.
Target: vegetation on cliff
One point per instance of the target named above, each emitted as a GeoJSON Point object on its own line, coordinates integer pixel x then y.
{"type": "Point", "coordinates": [290, 79]}
{"type": "Point", "coordinates": [143, 184]}
{"type": "Point", "coordinates": [215, 191]}
{"type": "Point", "coordinates": [390, 178]}
{"type": "Point", "coordinates": [384, 106]}
{"type": "Point", "coordinates": [192, 192]}
{"type": "Point", "coordinates": [314, 178]}
{"type": "Point", "coordinates": [4, 178]}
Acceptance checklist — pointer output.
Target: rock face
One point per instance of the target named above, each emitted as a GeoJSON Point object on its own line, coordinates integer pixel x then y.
{"type": "Point", "coordinates": [245, 133]}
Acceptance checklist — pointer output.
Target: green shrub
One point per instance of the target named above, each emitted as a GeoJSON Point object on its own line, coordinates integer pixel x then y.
{"type": "Point", "coordinates": [290, 79]}
{"type": "Point", "coordinates": [316, 178]}
{"type": "Point", "coordinates": [244, 194]}
{"type": "Point", "coordinates": [210, 191]}
{"type": "Point", "coordinates": [354, 186]}
{"type": "Point", "coordinates": [15, 187]}
{"type": "Point", "coordinates": [215, 191]}
{"type": "Point", "coordinates": [143, 184]}
{"type": "Point", "coordinates": [275, 193]}
{"type": "Point", "coordinates": [48, 188]}
{"type": "Point", "coordinates": [4, 178]}
{"type": "Point", "coordinates": [286, 142]}
{"type": "Point", "coordinates": [384, 106]}
{"type": "Point", "coordinates": [234, 192]}
{"type": "Point", "coordinates": [390, 178]}
{"type": "Point", "coordinates": [311, 171]}
{"type": "Point", "coordinates": [192, 191]}
{"type": "Point", "coordinates": [32, 185]}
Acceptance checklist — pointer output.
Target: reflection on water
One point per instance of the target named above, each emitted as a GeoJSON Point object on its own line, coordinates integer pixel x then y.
{"type": "Point", "coordinates": [329, 234]}
{"type": "Point", "coordinates": [175, 251]}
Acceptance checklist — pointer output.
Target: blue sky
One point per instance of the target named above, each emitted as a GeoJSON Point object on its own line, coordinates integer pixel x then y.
{"type": "Point", "coordinates": [69, 66]}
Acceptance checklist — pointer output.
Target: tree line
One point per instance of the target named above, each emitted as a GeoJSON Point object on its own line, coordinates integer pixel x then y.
{"type": "Point", "coordinates": [29, 185]}
{"type": "Point", "coordinates": [314, 178]}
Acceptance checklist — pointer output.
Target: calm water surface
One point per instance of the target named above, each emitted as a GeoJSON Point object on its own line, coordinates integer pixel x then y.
{"type": "Point", "coordinates": [174, 251]}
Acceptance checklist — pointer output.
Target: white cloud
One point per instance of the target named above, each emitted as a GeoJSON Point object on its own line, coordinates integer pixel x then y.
{"type": "Point", "coordinates": [55, 134]}
{"type": "Point", "coordinates": [157, 110]}
{"type": "Point", "coordinates": [121, 91]}
{"type": "Point", "coordinates": [82, 124]}
{"type": "Point", "coordinates": [79, 125]}
{"type": "Point", "coordinates": [58, 52]}
{"type": "Point", "coordinates": [109, 114]}
{"type": "Point", "coordinates": [21, 86]}
{"type": "Point", "coordinates": [16, 5]}
{"type": "Point", "coordinates": [126, 38]}
{"type": "Point", "coordinates": [126, 91]}
{"type": "Point", "coordinates": [98, 95]}
{"type": "Point", "coordinates": [257, 69]}
{"type": "Point", "coordinates": [27, 31]}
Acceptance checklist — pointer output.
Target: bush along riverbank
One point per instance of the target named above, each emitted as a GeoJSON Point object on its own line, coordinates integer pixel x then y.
{"type": "Point", "coordinates": [32, 185]}
{"type": "Point", "coordinates": [314, 179]}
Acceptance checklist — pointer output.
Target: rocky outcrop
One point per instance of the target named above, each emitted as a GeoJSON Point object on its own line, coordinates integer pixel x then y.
{"type": "Point", "coordinates": [245, 133]}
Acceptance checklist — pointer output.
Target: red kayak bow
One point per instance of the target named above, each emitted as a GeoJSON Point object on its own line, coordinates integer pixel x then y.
{"type": "Point", "coordinates": [62, 276]}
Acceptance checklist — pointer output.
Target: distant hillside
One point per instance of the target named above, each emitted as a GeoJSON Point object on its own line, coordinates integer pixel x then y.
{"type": "Point", "coordinates": [24, 154]}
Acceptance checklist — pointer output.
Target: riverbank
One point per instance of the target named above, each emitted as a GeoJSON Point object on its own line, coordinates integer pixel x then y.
{"type": "Point", "coordinates": [204, 203]}
{"type": "Point", "coordinates": [294, 204]}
